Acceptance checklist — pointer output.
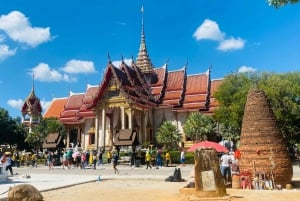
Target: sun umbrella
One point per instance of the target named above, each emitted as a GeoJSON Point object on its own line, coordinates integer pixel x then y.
{"type": "Point", "coordinates": [75, 154]}
{"type": "Point", "coordinates": [205, 144]}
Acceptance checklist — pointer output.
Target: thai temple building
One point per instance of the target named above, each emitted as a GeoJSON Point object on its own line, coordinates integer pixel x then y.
{"type": "Point", "coordinates": [131, 102]}
{"type": "Point", "coordinates": [31, 110]}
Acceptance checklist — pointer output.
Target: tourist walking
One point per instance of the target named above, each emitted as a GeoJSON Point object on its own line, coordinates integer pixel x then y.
{"type": "Point", "coordinates": [94, 160]}
{"type": "Point", "coordinates": [158, 160]}
{"type": "Point", "coordinates": [100, 158]}
{"type": "Point", "coordinates": [225, 167]}
{"type": "Point", "coordinates": [115, 159]}
{"type": "Point", "coordinates": [148, 160]}
{"type": "Point", "coordinates": [87, 158]}
{"type": "Point", "coordinates": [168, 158]}
{"type": "Point", "coordinates": [50, 160]}
{"type": "Point", "coordinates": [108, 156]}
{"type": "Point", "coordinates": [64, 160]}
{"type": "Point", "coordinates": [34, 160]}
{"type": "Point", "coordinates": [8, 164]}
{"type": "Point", "coordinates": [182, 157]}
{"type": "Point", "coordinates": [69, 158]}
{"type": "Point", "coordinates": [83, 158]}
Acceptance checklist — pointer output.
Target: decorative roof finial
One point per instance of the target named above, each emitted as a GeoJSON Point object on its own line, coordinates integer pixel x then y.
{"type": "Point", "coordinates": [108, 57]}
{"type": "Point", "coordinates": [32, 83]}
{"type": "Point", "coordinates": [186, 63]}
{"type": "Point", "coordinates": [142, 11]}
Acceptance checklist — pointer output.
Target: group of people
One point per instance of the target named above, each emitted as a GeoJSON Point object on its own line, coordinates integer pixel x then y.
{"type": "Point", "coordinates": [229, 165]}
{"type": "Point", "coordinates": [82, 160]}
{"type": "Point", "coordinates": [157, 159]}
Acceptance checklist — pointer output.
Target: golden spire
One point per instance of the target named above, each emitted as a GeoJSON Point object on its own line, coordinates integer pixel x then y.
{"type": "Point", "coordinates": [143, 60]}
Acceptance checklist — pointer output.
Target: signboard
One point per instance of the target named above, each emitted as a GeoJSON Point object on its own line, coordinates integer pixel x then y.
{"type": "Point", "coordinates": [208, 180]}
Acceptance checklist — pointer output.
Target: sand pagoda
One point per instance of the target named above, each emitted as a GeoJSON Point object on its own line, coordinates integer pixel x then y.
{"type": "Point", "coordinates": [262, 145]}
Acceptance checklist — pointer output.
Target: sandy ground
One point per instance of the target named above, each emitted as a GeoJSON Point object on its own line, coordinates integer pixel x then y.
{"type": "Point", "coordinates": [142, 190]}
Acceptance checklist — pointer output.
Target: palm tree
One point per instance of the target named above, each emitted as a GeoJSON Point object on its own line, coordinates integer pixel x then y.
{"type": "Point", "coordinates": [199, 127]}
{"type": "Point", "coordinates": [168, 135]}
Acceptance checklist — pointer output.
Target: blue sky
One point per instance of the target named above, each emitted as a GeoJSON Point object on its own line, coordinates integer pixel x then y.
{"type": "Point", "coordinates": [66, 43]}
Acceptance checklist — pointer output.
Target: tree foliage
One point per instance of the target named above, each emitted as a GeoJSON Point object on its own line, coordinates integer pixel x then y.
{"type": "Point", "coordinates": [11, 130]}
{"type": "Point", "coordinates": [283, 94]}
{"type": "Point", "coordinates": [40, 132]}
{"type": "Point", "coordinates": [168, 135]}
{"type": "Point", "coordinates": [280, 3]}
{"type": "Point", "coordinates": [199, 127]}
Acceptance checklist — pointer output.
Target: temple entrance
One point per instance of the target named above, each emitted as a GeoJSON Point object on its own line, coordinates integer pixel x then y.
{"type": "Point", "coordinates": [73, 137]}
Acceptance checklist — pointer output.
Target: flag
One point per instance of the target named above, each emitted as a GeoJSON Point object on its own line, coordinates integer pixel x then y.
{"type": "Point", "coordinates": [142, 9]}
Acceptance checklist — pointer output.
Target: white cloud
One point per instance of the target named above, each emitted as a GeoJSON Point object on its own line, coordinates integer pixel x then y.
{"type": "Point", "coordinates": [6, 52]}
{"type": "Point", "coordinates": [17, 26]}
{"type": "Point", "coordinates": [17, 104]}
{"type": "Point", "coordinates": [44, 73]}
{"type": "Point", "coordinates": [246, 69]}
{"type": "Point", "coordinates": [231, 44]}
{"type": "Point", "coordinates": [126, 61]}
{"type": "Point", "coordinates": [45, 104]}
{"type": "Point", "coordinates": [78, 66]}
{"type": "Point", "coordinates": [208, 30]}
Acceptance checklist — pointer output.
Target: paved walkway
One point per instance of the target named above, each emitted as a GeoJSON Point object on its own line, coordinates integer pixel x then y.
{"type": "Point", "coordinates": [44, 179]}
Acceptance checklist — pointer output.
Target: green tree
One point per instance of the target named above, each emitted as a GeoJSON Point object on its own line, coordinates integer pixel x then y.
{"type": "Point", "coordinates": [199, 127]}
{"type": "Point", "coordinates": [283, 94]}
{"type": "Point", "coordinates": [280, 3]}
{"type": "Point", "coordinates": [168, 135]}
{"type": "Point", "coordinates": [11, 130]}
{"type": "Point", "coordinates": [231, 96]}
{"type": "Point", "coordinates": [40, 132]}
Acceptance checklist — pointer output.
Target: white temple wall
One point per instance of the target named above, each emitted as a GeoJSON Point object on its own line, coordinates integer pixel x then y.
{"type": "Point", "coordinates": [158, 118]}
{"type": "Point", "coordinates": [104, 137]}
{"type": "Point", "coordinates": [138, 119]}
{"type": "Point", "coordinates": [181, 118]}
{"type": "Point", "coordinates": [170, 116]}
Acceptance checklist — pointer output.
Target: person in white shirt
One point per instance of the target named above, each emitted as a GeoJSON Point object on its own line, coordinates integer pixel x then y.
{"type": "Point", "coordinates": [8, 164]}
{"type": "Point", "coordinates": [182, 157]}
{"type": "Point", "coordinates": [225, 167]}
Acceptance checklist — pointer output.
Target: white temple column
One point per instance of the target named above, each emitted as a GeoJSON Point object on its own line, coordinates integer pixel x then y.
{"type": "Point", "coordinates": [97, 129]}
{"type": "Point", "coordinates": [102, 137]}
{"type": "Point", "coordinates": [122, 117]}
{"type": "Point", "coordinates": [129, 113]}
